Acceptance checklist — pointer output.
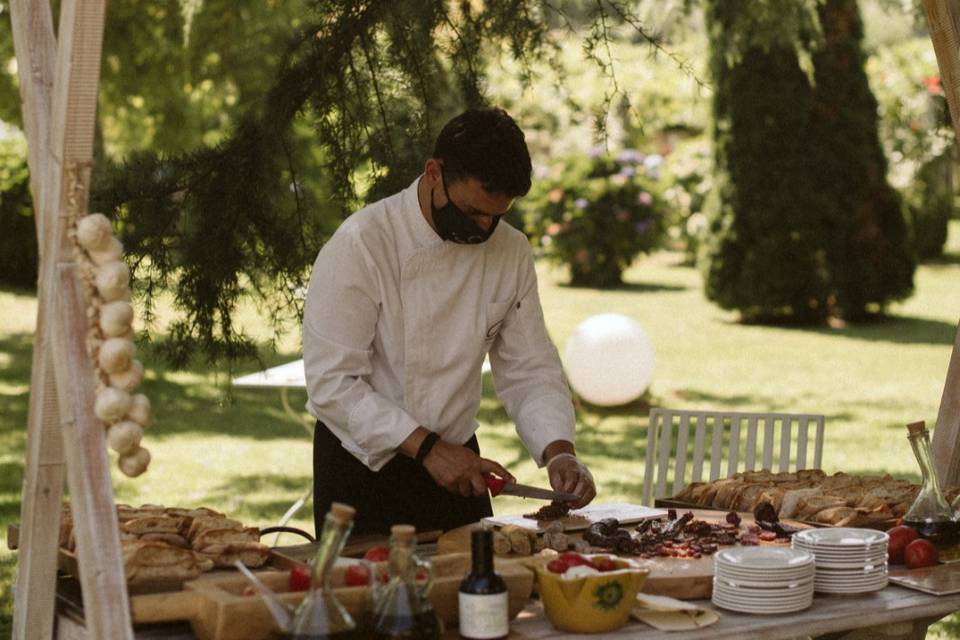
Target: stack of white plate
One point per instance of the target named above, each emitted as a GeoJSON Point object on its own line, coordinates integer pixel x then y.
{"type": "Point", "coordinates": [763, 579]}
{"type": "Point", "coordinates": [848, 560]}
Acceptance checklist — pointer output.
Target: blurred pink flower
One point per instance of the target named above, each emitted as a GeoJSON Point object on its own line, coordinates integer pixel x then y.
{"type": "Point", "coordinates": [555, 196]}
{"type": "Point", "coordinates": [554, 229]}
{"type": "Point", "coordinates": [645, 198]}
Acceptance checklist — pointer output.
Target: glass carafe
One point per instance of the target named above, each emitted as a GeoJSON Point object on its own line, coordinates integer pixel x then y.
{"type": "Point", "coordinates": [930, 514]}
{"type": "Point", "coordinates": [403, 609]}
{"type": "Point", "coordinates": [320, 615]}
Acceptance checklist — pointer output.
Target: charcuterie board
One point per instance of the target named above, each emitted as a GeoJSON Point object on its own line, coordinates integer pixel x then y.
{"type": "Point", "coordinates": [580, 519]}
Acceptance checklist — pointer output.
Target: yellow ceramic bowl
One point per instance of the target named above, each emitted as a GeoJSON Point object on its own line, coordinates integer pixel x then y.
{"type": "Point", "coordinates": [591, 604]}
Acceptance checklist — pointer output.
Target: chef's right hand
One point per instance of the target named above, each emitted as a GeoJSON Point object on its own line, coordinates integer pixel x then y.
{"type": "Point", "coordinates": [459, 470]}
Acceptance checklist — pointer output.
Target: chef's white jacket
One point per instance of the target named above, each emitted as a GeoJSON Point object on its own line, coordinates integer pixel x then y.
{"type": "Point", "coordinates": [397, 323]}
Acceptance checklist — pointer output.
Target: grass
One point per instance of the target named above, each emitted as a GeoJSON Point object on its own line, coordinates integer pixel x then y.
{"type": "Point", "coordinates": [237, 451]}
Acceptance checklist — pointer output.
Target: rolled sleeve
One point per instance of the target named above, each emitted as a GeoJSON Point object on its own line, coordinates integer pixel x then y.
{"type": "Point", "coordinates": [528, 374]}
{"type": "Point", "coordinates": [340, 318]}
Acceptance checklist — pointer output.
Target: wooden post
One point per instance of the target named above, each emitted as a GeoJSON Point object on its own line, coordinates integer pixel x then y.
{"type": "Point", "coordinates": [943, 21]}
{"type": "Point", "coordinates": [59, 112]}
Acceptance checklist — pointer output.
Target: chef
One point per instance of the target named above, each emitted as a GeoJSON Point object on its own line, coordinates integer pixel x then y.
{"type": "Point", "coordinates": [404, 302]}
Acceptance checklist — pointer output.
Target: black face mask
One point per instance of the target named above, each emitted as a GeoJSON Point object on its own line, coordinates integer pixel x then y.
{"type": "Point", "coordinates": [454, 225]}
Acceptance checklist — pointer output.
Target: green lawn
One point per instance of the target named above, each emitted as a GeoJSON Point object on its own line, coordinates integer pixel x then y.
{"type": "Point", "coordinates": [236, 450]}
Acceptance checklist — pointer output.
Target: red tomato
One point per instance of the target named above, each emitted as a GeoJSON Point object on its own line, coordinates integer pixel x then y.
{"type": "Point", "coordinates": [603, 563]}
{"type": "Point", "coordinates": [900, 537]}
{"type": "Point", "coordinates": [572, 559]}
{"type": "Point", "coordinates": [920, 553]}
{"type": "Point", "coordinates": [377, 554]}
{"type": "Point", "coordinates": [421, 574]}
{"type": "Point", "coordinates": [357, 575]}
{"type": "Point", "coordinates": [556, 566]}
{"type": "Point", "coordinates": [299, 578]}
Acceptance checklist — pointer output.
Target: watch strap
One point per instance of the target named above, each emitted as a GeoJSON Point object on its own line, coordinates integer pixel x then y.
{"type": "Point", "coordinates": [426, 446]}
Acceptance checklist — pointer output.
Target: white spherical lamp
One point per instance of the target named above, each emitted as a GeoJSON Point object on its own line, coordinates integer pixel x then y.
{"type": "Point", "coordinates": [609, 360]}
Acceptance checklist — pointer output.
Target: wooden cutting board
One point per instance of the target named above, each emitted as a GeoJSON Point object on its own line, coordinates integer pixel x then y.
{"type": "Point", "coordinates": [582, 518]}
{"type": "Point", "coordinates": [681, 578]}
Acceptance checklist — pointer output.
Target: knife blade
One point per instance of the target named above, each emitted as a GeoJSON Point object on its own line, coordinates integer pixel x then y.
{"type": "Point", "coordinates": [499, 486]}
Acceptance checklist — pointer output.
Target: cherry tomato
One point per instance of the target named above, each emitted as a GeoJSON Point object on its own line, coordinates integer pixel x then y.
{"type": "Point", "coordinates": [556, 566]}
{"type": "Point", "coordinates": [572, 559]}
{"type": "Point", "coordinates": [299, 578]}
{"type": "Point", "coordinates": [377, 554]}
{"type": "Point", "coordinates": [356, 575]}
{"type": "Point", "coordinates": [603, 563]}
{"type": "Point", "coordinates": [421, 574]}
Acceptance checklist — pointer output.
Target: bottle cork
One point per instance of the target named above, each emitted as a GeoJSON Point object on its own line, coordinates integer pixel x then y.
{"type": "Point", "coordinates": [916, 428]}
{"type": "Point", "coordinates": [343, 513]}
{"type": "Point", "coordinates": [403, 532]}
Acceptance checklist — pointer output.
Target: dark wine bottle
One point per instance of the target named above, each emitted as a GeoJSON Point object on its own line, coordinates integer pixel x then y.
{"type": "Point", "coordinates": [483, 594]}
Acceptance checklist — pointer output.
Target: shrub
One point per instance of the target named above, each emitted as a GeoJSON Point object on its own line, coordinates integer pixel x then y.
{"type": "Point", "coordinates": [18, 242]}
{"type": "Point", "coordinates": [596, 213]}
{"type": "Point", "coordinates": [688, 174]}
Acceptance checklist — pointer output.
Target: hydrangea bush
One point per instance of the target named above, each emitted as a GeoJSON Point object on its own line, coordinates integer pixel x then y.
{"type": "Point", "coordinates": [596, 213]}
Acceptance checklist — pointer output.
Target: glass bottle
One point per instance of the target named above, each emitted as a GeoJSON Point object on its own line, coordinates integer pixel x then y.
{"type": "Point", "coordinates": [403, 610]}
{"type": "Point", "coordinates": [930, 514]}
{"type": "Point", "coordinates": [320, 615]}
{"type": "Point", "coordinates": [484, 614]}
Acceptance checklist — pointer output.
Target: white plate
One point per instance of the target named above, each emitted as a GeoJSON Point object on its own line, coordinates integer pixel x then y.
{"type": "Point", "coordinates": [841, 537]}
{"type": "Point", "coordinates": [748, 593]}
{"type": "Point", "coordinates": [853, 570]}
{"type": "Point", "coordinates": [870, 589]}
{"type": "Point", "coordinates": [747, 607]}
{"type": "Point", "coordinates": [783, 603]}
{"type": "Point", "coordinates": [769, 558]}
{"type": "Point", "coordinates": [769, 576]}
{"type": "Point", "coordinates": [738, 583]}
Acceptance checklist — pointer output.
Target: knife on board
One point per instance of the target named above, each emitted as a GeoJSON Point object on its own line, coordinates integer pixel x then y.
{"type": "Point", "coordinates": [499, 486]}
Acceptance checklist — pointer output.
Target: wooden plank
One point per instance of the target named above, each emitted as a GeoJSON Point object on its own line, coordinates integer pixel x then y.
{"type": "Point", "coordinates": [680, 471]}
{"type": "Point", "coordinates": [768, 426]}
{"type": "Point", "coordinates": [946, 434]}
{"type": "Point", "coordinates": [733, 457]}
{"type": "Point", "coordinates": [40, 509]}
{"type": "Point", "coordinates": [750, 461]}
{"type": "Point", "coordinates": [716, 450]}
{"type": "Point", "coordinates": [785, 438]}
{"type": "Point", "coordinates": [698, 446]}
{"type": "Point", "coordinates": [106, 604]}
{"type": "Point", "coordinates": [943, 21]}
{"type": "Point", "coordinates": [650, 456]}
{"type": "Point", "coordinates": [818, 445]}
{"type": "Point", "coordinates": [665, 442]}
{"type": "Point", "coordinates": [36, 49]}
{"type": "Point", "coordinates": [803, 425]}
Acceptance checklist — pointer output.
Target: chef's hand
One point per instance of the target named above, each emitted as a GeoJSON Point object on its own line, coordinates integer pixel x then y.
{"type": "Point", "coordinates": [459, 470]}
{"type": "Point", "coordinates": [569, 475]}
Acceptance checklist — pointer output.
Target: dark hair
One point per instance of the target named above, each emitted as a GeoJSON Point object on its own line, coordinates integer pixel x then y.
{"type": "Point", "coordinates": [485, 144]}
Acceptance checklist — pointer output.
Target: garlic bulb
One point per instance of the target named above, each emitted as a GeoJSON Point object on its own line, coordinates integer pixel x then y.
{"type": "Point", "coordinates": [111, 252]}
{"type": "Point", "coordinates": [139, 410]}
{"type": "Point", "coordinates": [113, 281]}
{"type": "Point", "coordinates": [129, 378]}
{"type": "Point", "coordinates": [111, 404]}
{"type": "Point", "coordinates": [116, 318]}
{"type": "Point", "coordinates": [94, 232]}
{"type": "Point", "coordinates": [124, 437]}
{"type": "Point", "coordinates": [135, 463]}
{"type": "Point", "coordinates": [115, 355]}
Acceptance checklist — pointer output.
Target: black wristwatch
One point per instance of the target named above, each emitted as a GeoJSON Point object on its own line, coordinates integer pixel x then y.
{"type": "Point", "coordinates": [426, 446]}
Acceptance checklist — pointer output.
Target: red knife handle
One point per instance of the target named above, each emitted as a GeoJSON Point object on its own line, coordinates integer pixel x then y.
{"type": "Point", "coordinates": [494, 483]}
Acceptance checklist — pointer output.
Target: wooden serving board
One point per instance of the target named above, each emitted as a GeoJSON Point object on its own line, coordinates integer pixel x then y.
{"type": "Point", "coordinates": [681, 578]}
{"type": "Point", "coordinates": [219, 611]}
{"type": "Point", "coordinates": [938, 580]}
{"type": "Point", "coordinates": [580, 519]}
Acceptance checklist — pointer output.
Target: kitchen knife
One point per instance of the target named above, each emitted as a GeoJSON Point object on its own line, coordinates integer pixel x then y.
{"type": "Point", "coordinates": [499, 486]}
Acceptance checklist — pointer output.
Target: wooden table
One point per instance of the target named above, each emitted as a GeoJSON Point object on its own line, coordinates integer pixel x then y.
{"type": "Point", "coordinates": [903, 613]}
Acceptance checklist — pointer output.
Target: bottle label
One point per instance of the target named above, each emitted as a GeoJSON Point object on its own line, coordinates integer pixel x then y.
{"type": "Point", "coordinates": [484, 616]}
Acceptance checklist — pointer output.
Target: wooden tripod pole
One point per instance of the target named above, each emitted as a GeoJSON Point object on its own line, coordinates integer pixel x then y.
{"type": "Point", "coordinates": [943, 21]}
{"type": "Point", "coordinates": [58, 85]}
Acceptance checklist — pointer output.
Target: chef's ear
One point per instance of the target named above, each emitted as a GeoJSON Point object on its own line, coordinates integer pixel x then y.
{"type": "Point", "coordinates": [432, 170]}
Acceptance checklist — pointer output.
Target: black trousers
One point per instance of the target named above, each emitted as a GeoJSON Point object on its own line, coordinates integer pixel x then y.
{"type": "Point", "coordinates": [402, 492]}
